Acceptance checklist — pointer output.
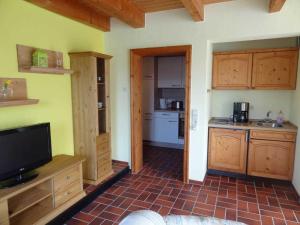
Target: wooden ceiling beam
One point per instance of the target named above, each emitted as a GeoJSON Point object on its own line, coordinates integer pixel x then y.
{"type": "Point", "coordinates": [195, 8]}
{"type": "Point", "coordinates": [75, 11]}
{"type": "Point", "coordinates": [206, 2]}
{"type": "Point", "coordinates": [276, 5]}
{"type": "Point", "coordinates": [124, 10]}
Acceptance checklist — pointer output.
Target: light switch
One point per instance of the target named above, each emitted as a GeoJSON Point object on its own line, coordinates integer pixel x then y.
{"type": "Point", "coordinates": [194, 122]}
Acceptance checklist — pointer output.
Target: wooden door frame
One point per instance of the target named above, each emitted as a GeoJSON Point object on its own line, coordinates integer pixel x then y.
{"type": "Point", "coordinates": [136, 56]}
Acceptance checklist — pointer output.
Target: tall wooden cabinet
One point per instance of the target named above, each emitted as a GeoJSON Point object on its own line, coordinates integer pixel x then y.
{"type": "Point", "coordinates": [91, 113]}
{"type": "Point", "coordinates": [227, 150]}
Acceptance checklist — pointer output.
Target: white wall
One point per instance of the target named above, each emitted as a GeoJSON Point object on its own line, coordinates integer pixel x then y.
{"type": "Point", "coordinates": [295, 118]}
{"type": "Point", "coordinates": [260, 102]}
{"type": "Point", "coordinates": [230, 21]}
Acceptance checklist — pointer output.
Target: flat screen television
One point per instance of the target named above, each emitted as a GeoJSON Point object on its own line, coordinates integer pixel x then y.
{"type": "Point", "coordinates": [22, 150]}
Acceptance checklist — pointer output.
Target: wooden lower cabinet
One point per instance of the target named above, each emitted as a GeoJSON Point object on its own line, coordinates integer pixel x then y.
{"type": "Point", "coordinates": [58, 187]}
{"type": "Point", "coordinates": [227, 150]}
{"type": "Point", "coordinates": [272, 159]}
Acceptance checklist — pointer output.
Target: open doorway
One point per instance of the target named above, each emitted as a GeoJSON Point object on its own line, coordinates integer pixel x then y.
{"type": "Point", "coordinates": [136, 79]}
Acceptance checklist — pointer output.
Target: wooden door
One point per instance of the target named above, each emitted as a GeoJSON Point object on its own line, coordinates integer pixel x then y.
{"type": "Point", "coordinates": [275, 70]}
{"type": "Point", "coordinates": [232, 71]}
{"type": "Point", "coordinates": [272, 159]}
{"type": "Point", "coordinates": [227, 150]}
{"type": "Point", "coordinates": [136, 112]}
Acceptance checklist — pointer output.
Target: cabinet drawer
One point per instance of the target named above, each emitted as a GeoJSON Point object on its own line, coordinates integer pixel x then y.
{"type": "Point", "coordinates": [104, 157]}
{"type": "Point", "coordinates": [66, 178]}
{"type": "Point", "coordinates": [168, 115]}
{"type": "Point", "coordinates": [273, 135]}
{"type": "Point", "coordinates": [103, 149]}
{"type": "Point", "coordinates": [102, 138]}
{"type": "Point", "coordinates": [104, 169]}
{"type": "Point", "coordinates": [68, 192]}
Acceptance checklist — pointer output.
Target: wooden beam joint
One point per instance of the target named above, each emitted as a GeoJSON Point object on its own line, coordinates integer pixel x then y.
{"type": "Point", "coordinates": [124, 10]}
{"type": "Point", "coordinates": [276, 5]}
{"type": "Point", "coordinates": [195, 8]}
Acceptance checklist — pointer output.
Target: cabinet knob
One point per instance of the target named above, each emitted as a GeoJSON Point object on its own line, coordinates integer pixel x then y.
{"type": "Point", "coordinates": [268, 158]}
{"type": "Point", "coordinates": [267, 169]}
{"type": "Point", "coordinates": [68, 177]}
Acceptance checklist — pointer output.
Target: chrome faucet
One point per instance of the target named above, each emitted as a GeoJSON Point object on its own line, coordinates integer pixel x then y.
{"type": "Point", "coordinates": [268, 115]}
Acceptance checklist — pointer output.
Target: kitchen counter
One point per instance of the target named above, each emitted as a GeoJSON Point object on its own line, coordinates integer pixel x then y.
{"type": "Point", "coordinates": [169, 110]}
{"type": "Point", "coordinates": [252, 124]}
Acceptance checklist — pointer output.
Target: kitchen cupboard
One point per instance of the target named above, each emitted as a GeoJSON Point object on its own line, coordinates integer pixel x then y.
{"type": "Point", "coordinates": [232, 71]}
{"type": "Point", "coordinates": [171, 72]}
{"type": "Point", "coordinates": [227, 150]}
{"type": "Point", "coordinates": [256, 69]}
{"type": "Point", "coordinates": [161, 127]}
{"type": "Point", "coordinates": [166, 130]}
{"type": "Point", "coordinates": [272, 159]}
{"type": "Point", "coordinates": [275, 70]}
{"type": "Point", "coordinates": [270, 152]}
{"type": "Point", "coordinates": [271, 155]}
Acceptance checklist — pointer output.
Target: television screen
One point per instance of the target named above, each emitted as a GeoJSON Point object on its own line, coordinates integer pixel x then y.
{"type": "Point", "coordinates": [23, 149]}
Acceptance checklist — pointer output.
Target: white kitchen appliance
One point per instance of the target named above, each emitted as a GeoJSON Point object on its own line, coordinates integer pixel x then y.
{"type": "Point", "coordinates": [162, 103]}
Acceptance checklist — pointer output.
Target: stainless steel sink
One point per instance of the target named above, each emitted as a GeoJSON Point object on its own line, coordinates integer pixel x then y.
{"type": "Point", "coordinates": [268, 124]}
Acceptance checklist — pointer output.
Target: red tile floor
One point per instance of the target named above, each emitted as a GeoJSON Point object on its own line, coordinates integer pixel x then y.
{"type": "Point", "coordinates": [158, 189]}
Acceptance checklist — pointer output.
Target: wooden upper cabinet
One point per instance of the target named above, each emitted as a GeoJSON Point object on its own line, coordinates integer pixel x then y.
{"type": "Point", "coordinates": [275, 70]}
{"type": "Point", "coordinates": [227, 150]}
{"type": "Point", "coordinates": [272, 159]}
{"type": "Point", "coordinates": [232, 71]}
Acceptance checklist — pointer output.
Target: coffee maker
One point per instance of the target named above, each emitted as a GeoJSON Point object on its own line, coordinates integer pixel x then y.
{"type": "Point", "coordinates": [240, 112]}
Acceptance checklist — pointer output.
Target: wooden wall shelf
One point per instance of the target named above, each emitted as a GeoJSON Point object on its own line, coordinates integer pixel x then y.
{"type": "Point", "coordinates": [34, 69]}
{"type": "Point", "coordinates": [25, 61]}
{"type": "Point", "coordinates": [6, 103]}
{"type": "Point", "coordinates": [19, 93]}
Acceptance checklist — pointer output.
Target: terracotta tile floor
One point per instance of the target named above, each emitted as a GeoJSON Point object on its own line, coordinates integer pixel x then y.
{"type": "Point", "coordinates": [248, 201]}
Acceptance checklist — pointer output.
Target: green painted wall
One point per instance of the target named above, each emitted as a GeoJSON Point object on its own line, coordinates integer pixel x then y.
{"type": "Point", "coordinates": [24, 23]}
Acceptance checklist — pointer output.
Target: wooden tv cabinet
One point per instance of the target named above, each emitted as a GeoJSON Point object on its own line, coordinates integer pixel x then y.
{"type": "Point", "coordinates": [58, 186]}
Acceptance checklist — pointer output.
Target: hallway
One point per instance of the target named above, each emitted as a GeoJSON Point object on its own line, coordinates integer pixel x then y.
{"type": "Point", "coordinates": [163, 162]}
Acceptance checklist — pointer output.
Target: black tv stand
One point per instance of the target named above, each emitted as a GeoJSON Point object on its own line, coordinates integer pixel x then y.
{"type": "Point", "coordinates": [18, 179]}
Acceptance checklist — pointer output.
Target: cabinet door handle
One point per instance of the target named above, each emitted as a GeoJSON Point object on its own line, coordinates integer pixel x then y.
{"type": "Point", "coordinates": [247, 136]}
{"type": "Point", "coordinates": [175, 85]}
{"type": "Point", "coordinates": [165, 114]}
